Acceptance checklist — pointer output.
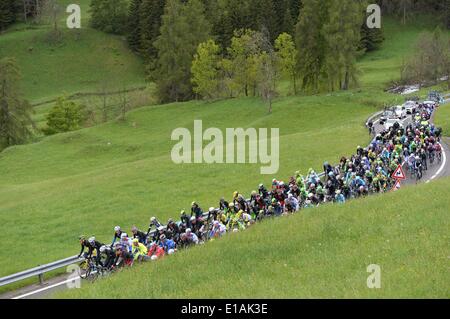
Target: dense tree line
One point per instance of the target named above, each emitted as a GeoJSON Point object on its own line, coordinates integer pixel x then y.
{"type": "Point", "coordinates": [160, 30]}
{"type": "Point", "coordinates": [16, 125]}
{"type": "Point", "coordinates": [8, 13]}
{"type": "Point", "coordinates": [407, 9]}
{"type": "Point", "coordinates": [431, 60]}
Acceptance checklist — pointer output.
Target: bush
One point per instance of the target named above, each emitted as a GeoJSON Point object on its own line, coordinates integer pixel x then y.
{"type": "Point", "coordinates": [65, 116]}
{"type": "Point", "coordinates": [109, 15]}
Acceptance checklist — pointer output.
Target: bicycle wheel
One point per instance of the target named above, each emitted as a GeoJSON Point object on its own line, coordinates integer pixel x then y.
{"type": "Point", "coordinates": [92, 273]}
{"type": "Point", "coordinates": [83, 269]}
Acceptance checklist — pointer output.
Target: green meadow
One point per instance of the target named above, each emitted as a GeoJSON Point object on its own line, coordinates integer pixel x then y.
{"type": "Point", "coordinates": [121, 172]}
{"type": "Point", "coordinates": [317, 253]}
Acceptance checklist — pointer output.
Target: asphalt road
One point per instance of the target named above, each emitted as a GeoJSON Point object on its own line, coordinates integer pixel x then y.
{"type": "Point", "coordinates": [436, 170]}
{"type": "Point", "coordinates": [62, 282]}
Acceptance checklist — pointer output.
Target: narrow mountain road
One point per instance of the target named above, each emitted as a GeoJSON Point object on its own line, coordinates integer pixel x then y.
{"type": "Point", "coordinates": [37, 291]}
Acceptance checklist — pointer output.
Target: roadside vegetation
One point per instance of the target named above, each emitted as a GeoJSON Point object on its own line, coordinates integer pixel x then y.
{"type": "Point", "coordinates": [317, 253]}
{"type": "Point", "coordinates": [116, 168]}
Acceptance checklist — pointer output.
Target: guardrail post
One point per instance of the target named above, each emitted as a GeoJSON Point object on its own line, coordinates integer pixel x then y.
{"type": "Point", "coordinates": [41, 277]}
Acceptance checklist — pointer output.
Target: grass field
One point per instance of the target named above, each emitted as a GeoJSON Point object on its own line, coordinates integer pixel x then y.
{"type": "Point", "coordinates": [90, 180]}
{"type": "Point", "coordinates": [317, 253]}
{"type": "Point", "coordinates": [442, 118]}
{"type": "Point", "coordinates": [85, 60]}
{"type": "Point", "coordinates": [79, 183]}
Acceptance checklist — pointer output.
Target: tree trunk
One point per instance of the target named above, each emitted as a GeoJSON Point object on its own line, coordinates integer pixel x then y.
{"type": "Point", "coordinates": [295, 84]}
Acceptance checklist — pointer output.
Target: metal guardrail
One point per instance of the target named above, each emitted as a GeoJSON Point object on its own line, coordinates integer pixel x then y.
{"type": "Point", "coordinates": [41, 270]}
{"type": "Point", "coordinates": [38, 271]}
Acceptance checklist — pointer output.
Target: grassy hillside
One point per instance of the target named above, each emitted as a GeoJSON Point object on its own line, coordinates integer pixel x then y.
{"type": "Point", "coordinates": [85, 60]}
{"type": "Point", "coordinates": [320, 252]}
{"type": "Point", "coordinates": [442, 118]}
{"type": "Point", "coordinates": [383, 66]}
{"type": "Point", "coordinates": [90, 180]}
{"type": "Point", "coordinates": [121, 172]}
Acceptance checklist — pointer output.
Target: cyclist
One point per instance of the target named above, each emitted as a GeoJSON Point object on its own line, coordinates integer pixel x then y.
{"type": "Point", "coordinates": [117, 234]}
{"type": "Point", "coordinates": [155, 251]}
{"type": "Point", "coordinates": [339, 198]}
{"type": "Point", "coordinates": [123, 257]}
{"type": "Point", "coordinates": [184, 217]}
{"type": "Point", "coordinates": [109, 254]}
{"type": "Point", "coordinates": [418, 167]}
{"type": "Point", "coordinates": [173, 230]}
{"type": "Point", "coordinates": [139, 235]}
{"type": "Point", "coordinates": [84, 245]}
{"type": "Point", "coordinates": [126, 242]}
{"type": "Point", "coordinates": [217, 230]}
{"type": "Point", "coordinates": [191, 236]}
{"type": "Point", "coordinates": [196, 210]}
{"type": "Point", "coordinates": [167, 244]}
{"type": "Point", "coordinates": [153, 223]}
{"type": "Point", "coordinates": [95, 245]}
{"type": "Point", "coordinates": [139, 250]}
{"type": "Point", "coordinates": [438, 151]}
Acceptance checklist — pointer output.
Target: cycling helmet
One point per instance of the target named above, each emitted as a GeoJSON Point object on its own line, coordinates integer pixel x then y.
{"type": "Point", "coordinates": [91, 240]}
{"type": "Point", "coordinates": [134, 229]}
{"type": "Point", "coordinates": [170, 221]}
{"type": "Point", "coordinates": [193, 203]}
{"type": "Point", "coordinates": [231, 205]}
{"type": "Point", "coordinates": [211, 209]}
{"type": "Point", "coordinates": [135, 241]}
{"type": "Point", "coordinates": [216, 223]}
{"type": "Point", "coordinates": [102, 249]}
{"type": "Point", "coordinates": [153, 219]}
{"type": "Point", "coordinates": [183, 212]}
{"type": "Point", "coordinates": [160, 228]}
{"type": "Point", "coordinates": [82, 237]}
{"type": "Point", "coordinates": [188, 230]}
{"type": "Point", "coordinates": [124, 235]}
{"type": "Point", "coordinates": [192, 218]}
{"type": "Point", "coordinates": [117, 228]}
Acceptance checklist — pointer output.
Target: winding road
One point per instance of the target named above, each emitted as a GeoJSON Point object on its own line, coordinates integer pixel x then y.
{"type": "Point", "coordinates": [62, 282]}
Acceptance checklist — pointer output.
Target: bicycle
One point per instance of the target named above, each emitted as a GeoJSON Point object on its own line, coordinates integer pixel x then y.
{"type": "Point", "coordinates": [89, 270]}
{"type": "Point", "coordinates": [418, 172]}
{"type": "Point", "coordinates": [439, 157]}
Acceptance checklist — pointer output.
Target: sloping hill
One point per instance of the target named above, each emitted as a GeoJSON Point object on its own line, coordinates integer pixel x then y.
{"type": "Point", "coordinates": [85, 59]}
{"type": "Point", "coordinates": [121, 172]}
{"type": "Point", "coordinates": [317, 253]}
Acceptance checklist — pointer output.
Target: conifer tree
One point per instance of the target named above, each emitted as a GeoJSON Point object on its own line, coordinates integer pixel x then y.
{"type": "Point", "coordinates": [15, 113]}
{"type": "Point", "coordinates": [183, 28]}
{"type": "Point", "coordinates": [134, 25]}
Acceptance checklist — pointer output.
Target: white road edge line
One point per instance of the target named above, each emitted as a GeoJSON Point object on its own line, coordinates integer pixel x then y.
{"type": "Point", "coordinates": [444, 160]}
{"type": "Point", "coordinates": [46, 288]}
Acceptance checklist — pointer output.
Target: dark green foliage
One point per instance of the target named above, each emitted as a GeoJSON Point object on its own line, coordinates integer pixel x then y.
{"type": "Point", "coordinates": [7, 13]}
{"type": "Point", "coordinates": [151, 12]}
{"type": "Point", "coordinates": [311, 43]}
{"type": "Point", "coordinates": [15, 120]}
{"type": "Point", "coordinates": [65, 116]}
{"type": "Point", "coordinates": [134, 25]}
{"type": "Point", "coordinates": [109, 15]}
{"type": "Point", "coordinates": [371, 39]}
{"type": "Point", "coordinates": [183, 28]}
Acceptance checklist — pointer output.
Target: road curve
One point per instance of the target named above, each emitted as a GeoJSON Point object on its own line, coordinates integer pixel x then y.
{"type": "Point", "coordinates": [62, 282]}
